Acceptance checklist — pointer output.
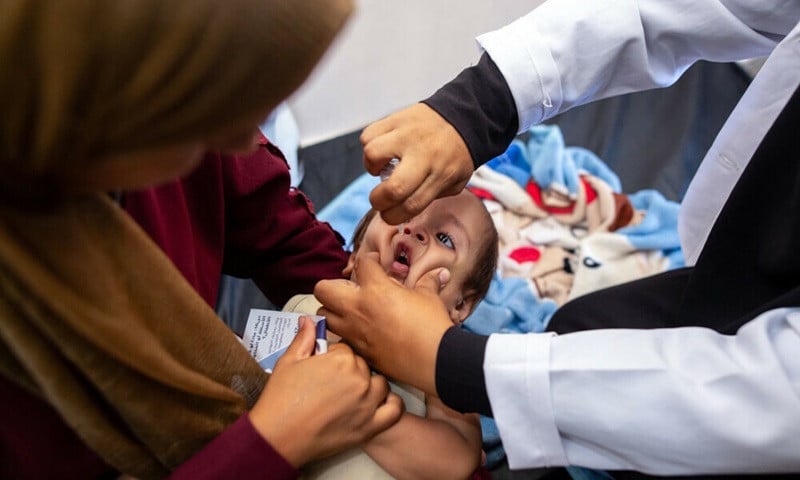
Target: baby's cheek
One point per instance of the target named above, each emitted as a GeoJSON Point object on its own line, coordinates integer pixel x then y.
{"type": "Point", "coordinates": [450, 295]}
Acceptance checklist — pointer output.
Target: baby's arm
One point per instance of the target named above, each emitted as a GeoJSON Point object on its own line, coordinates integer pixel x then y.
{"type": "Point", "coordinates": [445, 444]}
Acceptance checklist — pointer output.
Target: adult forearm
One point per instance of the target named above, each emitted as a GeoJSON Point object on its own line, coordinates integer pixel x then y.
{"type": "Point", "coordinates": [666, 401]}
{"type": "Point", "coordinates": [479, 105]}
{"type": "Point", "coordinates": [238, 452]}
{"type": "Point", "coordinates": [567, 53]}
{"type": "Point", "coordinates": [418, 448]}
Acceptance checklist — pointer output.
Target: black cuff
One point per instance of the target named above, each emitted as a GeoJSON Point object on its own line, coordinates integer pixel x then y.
{"type": "Point", "coordinates": [459, 372]}
{"type": "Point", "coordinates": [479, 104]}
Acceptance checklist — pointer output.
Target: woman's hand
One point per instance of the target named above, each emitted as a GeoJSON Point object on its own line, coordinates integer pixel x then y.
{"type": "Point", "coordinates": [434, 161]}
{"type": "Point", "coordinates": [315, 406]}
{"type": "Point", "coordinates": [397, 329]}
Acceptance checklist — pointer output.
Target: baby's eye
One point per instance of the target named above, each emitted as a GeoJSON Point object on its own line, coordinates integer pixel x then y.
{"type": "Point", "coordinates": [445, 240]}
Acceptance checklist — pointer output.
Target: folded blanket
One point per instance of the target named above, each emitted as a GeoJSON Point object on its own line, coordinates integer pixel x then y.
{"type": "Point", "coordinates": [565, 230]}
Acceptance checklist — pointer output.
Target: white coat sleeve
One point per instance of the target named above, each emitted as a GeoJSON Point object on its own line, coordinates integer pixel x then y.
{"type": "Point", "coordinates": [668, 401]}
{"type": "Point", "coordinates": [570, 52]}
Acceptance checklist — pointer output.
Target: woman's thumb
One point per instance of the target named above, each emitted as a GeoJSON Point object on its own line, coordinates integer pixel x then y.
{"type": "Point", "coordinates": [304, 342]}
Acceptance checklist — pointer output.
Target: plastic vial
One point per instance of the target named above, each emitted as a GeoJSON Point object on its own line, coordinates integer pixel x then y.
{"type": "Point", "coordinates": [388, 169]}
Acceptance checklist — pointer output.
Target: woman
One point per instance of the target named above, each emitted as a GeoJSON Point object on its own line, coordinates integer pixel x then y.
{"type": "Point", "coordinates": [109, 361]}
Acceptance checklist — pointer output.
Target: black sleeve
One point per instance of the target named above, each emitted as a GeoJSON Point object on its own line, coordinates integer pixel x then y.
{"type": "Point", "coordinates": [479, 104]}
{"type": "Point", "coordinates": [460, 381]}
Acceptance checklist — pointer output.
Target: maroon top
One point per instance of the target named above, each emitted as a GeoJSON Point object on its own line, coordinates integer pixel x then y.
{"type": "Point", "coordinates": [231, 215]}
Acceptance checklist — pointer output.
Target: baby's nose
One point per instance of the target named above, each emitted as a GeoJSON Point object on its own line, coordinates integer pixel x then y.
{"type": "Point", "coordinates": [415, 232]}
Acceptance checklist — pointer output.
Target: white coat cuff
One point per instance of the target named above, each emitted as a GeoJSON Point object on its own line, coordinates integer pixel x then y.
{"type": "Point", "coordinates": [518, 384]}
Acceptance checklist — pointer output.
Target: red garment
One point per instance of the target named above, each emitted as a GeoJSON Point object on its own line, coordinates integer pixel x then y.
{"type": "Point", "coordinates": [237, 209]}
{"type": "Point", "coordinates": [240, 452]}
{"type": "Point", "coordinates": [535, 191]}
{"type": "Point", "coordinates": [36, 444]}
{"type": "Point", "coordinates": [231, 215]}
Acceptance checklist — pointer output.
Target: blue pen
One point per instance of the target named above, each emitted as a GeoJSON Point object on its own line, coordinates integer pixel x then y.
{"type": "Point", "coordinates": [322, 336]}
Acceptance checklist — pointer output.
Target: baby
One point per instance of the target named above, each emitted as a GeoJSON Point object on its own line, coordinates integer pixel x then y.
{"type": "Point", "coordinates": [430, 440]}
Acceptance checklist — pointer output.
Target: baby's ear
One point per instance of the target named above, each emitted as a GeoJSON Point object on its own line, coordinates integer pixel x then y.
{"type": "Point", "coordinates": [462, 309]}
{"type": "Point", "coordinates": [351, 261]}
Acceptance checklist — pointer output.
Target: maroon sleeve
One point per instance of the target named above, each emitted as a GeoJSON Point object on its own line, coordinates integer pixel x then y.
{"type": "Point", "coordinates": [239, 452]}
{"type": "Point", "coordinates": [273, 235]}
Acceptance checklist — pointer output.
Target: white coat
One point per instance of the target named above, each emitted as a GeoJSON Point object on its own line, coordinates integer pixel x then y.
{"type": "Point", "coordinates": [670, 401]}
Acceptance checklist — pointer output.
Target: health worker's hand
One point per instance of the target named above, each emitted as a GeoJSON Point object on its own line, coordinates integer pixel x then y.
{"type": "Point", "coordinates": [315, 406]}
{"type": "Point", "coordinates": [397, 329]}
{"type": "Point", "coordinates": [434, 161]}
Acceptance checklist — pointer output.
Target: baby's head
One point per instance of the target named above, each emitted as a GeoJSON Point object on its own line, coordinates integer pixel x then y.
{"type": "Point", "coordinates": [454, 232]}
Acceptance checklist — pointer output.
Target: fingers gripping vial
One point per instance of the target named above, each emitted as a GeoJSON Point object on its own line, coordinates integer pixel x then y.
{"type": "Point", "coordinates": [385, 174]}
{"type": "Point", "coordinates": [388, 169]}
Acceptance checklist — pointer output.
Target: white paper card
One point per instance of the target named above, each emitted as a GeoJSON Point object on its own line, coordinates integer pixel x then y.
{"type": "Point", "coordinates": [268, 334]}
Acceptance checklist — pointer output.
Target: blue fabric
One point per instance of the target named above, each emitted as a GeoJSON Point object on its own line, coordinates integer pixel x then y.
{"type": "Point", "coordinates": [550, 162]}
{"type": "Point", "coordinates": [514, 163]}
{"type": "Point", "coordinates": [492, 445]}
{"type": "Point", "coordinates": [510, 306]}
{"type": "Point", "coordinates": [659, 228]}
{"type": "Point", "coordinates": [554, 164]}
{"type": "Point", "coordinates": [345, 211]}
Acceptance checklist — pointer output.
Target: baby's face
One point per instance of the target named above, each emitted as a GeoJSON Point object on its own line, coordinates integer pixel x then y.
{"type": "Point", "coordinates": [447, 234]}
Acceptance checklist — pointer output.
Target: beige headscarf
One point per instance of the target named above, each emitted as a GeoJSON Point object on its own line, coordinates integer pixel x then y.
{"type": "Point", "coordinates": [93, 317]}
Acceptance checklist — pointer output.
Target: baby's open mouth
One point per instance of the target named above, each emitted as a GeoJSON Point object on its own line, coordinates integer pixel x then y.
{"type": "Point", "coordinates": [402, 257]}
{"type": "Point", "coordinates": [401, 263]}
